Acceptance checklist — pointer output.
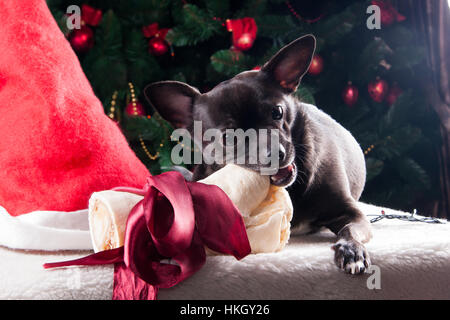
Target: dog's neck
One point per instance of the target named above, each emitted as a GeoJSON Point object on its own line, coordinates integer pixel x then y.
{"type": "Point", "coordinates": [304, 148]}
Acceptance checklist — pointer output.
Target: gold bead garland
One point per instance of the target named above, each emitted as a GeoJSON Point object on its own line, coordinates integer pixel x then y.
{"type": "Point", "coordinates": [133, 99]}
{"type": "Point", "coordinates": [144, 147]}
{"type": "Point", "coordinates": [112, 108]}
{"type": "Point", "coordinates": [111, 114]}
{"type": "Point", "coordinates": [372, 146]}
{"type": "Point", "coordinates": [369, 149]}
{"type": "Point", "coordinates": [185, 146]}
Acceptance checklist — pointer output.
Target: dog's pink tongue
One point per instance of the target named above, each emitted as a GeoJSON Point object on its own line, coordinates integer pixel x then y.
{"type": "Point", "coordinates": [284, 172]}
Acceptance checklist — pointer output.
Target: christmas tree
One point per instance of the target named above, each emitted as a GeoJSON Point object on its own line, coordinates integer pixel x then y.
{"type": "Point", "coordinates": [365, 78]}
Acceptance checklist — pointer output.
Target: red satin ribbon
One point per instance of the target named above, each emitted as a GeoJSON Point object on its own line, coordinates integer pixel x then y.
{"type": "Point", "coordinates": [152, 30]}
{"type": "Point", "coordinates": [244, 32]}
{"type": "Point", "coordinates": [90, 15]}
{"type": "Point", "coordinates": [175, 221]}
{"type": "Point", "coordinates": [389, 13]}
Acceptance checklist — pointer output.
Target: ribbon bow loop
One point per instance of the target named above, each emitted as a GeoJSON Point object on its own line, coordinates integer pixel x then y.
{"type": "Point", "coordinates": [152, 30]}
{"type": "Point", "coordinates": [244, 32]}
{"type": "Point", "coordinates": [90, 15]}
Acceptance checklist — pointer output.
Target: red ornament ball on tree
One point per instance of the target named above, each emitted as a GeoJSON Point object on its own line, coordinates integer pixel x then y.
{"type": "Point", "coordinates": [135, 110]}
{"type": "Point", "coordinates": [350, 94]}
{"type": "Point", "coordinates": [393, 94]}
{"type": "Point", "coordinates": [378, 90]}
{"type": "Point", "coordinates": [316, 65]}
{"type": "Point", "coordinates": [157, 46]}
{"type": "Point", "coordinates": [82, 39]}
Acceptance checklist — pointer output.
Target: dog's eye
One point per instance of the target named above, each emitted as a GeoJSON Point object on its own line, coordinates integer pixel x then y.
{"type": "Point", "coordinates": [277, 112]}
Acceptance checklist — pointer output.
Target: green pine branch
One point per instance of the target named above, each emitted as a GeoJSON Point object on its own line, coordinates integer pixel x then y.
{"type": "Point", "coordinates": [197, 26]}
{"type": "Point", "coordinates": [230, 62]}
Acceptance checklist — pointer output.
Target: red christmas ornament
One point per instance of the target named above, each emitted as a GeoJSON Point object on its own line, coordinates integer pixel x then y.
{"type": "Point", "coordinates": [350, 94]}
{"type": "Point", "coordinates": [157, 45]}
{"type": "Point", "coordinates": [388, 13]}
{"type": "Point", "coordinates": [316, 65]}
{"type": "Point", "coordinates": [82, 39]}
{"type": "Point", "coordinates": [135, 109]}
{"type": "Point", "coordinates": [393, 94]}
{"type": "Point", "coordinates": [378, 90]}
{"type": "Point", "coordinates": [244, 32]}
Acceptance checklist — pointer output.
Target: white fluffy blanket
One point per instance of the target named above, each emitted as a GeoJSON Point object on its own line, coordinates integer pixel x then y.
{"type": "Point", "coordinates": [413, 259]}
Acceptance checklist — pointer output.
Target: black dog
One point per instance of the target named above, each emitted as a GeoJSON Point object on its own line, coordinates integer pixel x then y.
{"type": "Point", "coordinates": [320, 161]}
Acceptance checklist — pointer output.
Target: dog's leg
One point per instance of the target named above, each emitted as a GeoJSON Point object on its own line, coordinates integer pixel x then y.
{"type": "Point", "coordinates": [352, 230]}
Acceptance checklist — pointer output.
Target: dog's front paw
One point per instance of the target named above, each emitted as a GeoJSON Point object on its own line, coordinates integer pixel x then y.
{"type": "Point", "coordinates": [351, 256]}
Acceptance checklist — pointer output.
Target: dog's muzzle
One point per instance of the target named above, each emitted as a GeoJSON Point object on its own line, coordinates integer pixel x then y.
{"type": "Point", "coordinates": [285, 176]}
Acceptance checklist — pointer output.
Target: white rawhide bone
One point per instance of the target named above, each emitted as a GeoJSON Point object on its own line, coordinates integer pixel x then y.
{"type": "Point", "coordinates": [266, 210]}
{"type": "Point", "coordinates": [108, 213]}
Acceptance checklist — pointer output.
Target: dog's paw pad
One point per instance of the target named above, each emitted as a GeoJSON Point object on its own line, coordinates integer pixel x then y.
{"type": "Point", "coordinates": [351, 256]}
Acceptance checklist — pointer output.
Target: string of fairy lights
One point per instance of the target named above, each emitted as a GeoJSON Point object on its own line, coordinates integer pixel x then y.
{"type": "Point", "coordinates": [411, 217]}
{"type": "Point", "coordinates": [299, 17]}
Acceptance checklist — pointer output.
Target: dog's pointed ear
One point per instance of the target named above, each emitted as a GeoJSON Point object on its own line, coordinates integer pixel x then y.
{"type": "Point", "coordinates": [173, 100]}
{"type": "Point", "coordinates": [288, 65]}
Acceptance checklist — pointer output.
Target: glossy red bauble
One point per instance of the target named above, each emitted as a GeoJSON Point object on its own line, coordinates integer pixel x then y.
{"type": "Point", "coordinates": [350, 94]}
{"type": "Point", "coordinates": [378, 90]}
{"type": "Point", "coordinates": [316, 65]}
{"type": "Point", "coordinates": [157, 46]}
{"type": "Point", "coordinates": [82, 39]}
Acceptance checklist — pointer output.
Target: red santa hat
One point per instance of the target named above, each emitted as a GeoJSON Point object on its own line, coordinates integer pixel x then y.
{"type": "Point", "coordinates": [57, 146]}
